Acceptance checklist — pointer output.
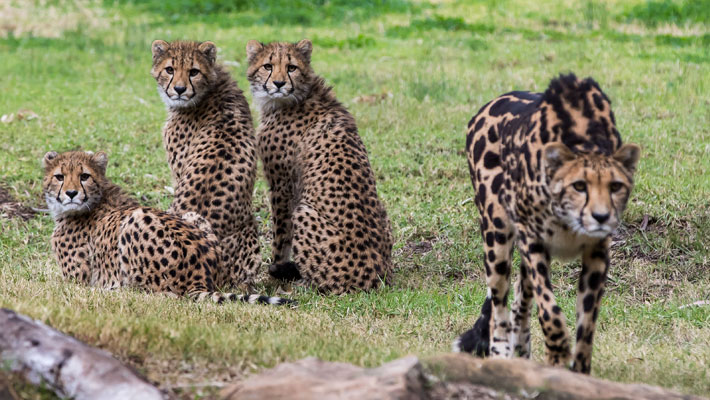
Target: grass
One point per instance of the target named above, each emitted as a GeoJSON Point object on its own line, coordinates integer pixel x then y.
{"type": "Point", "coordinates": [412, 75]}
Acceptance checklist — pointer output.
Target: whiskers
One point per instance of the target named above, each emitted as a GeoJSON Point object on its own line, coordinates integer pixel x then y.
{"type": "Point", "coordinates": [268, 102]}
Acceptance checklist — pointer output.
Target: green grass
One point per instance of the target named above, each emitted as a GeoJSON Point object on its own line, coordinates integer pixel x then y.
{"type": "Point", "coordinates": [436, 64]}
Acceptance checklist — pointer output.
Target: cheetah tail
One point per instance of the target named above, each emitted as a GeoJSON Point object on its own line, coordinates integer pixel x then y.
{"type": "Point", "coordinates": [477, 339]}
{"type": "Point", "coordinates": [219, 298]}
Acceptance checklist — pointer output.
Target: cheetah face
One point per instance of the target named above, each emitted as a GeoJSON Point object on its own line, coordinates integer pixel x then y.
{"type": "Point", "coordinates": [590, 191]}
{"type": "Point", "coordinates": [72, 181]}
{"type": "Point", "coordinates": [279, 73]}
{"type": "Point", "coordinates": [183, 70]}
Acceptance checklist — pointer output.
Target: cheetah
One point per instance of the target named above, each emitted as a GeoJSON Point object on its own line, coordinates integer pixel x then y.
{"type": "Point", "coordinates": [104, 238]}
{"type": "Point", "coordinates": [211, 148]}
{"type": "Point", "coordinates": [326, 213]}
{"type": "Point", "coordinates": [550, 174]}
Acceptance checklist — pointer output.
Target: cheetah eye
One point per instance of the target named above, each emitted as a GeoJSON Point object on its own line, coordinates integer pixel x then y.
{"type": "Point", "coordinates": [169, 70]}
{"type": "Point", "coordinates": [292, 68]}
{"type": "Point", "coordinates": [59, 177]}
{"type": "Point", "coordinates": [268, 67]}
{"type": "Point", "coordinates": [580, 186]}
{"type": "Point", "coordinates": [615, 186]}
{"type": "Point", "coordinates": [84, 177]}
{"type": "Point", "coordinates": [194, 72]}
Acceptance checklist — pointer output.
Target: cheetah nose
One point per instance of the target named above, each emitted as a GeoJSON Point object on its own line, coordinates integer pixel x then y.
{"type": "Point", "coordinates": [180, 89]}
{"type": "Point", "coordinates": [279, 84]}
{"type": "Point", "coordinates": [601, 218]}
{"type": "Point", "coordinates": [71, 193]}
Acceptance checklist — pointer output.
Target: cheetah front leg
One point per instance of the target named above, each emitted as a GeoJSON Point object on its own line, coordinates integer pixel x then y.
{"type": "Point", "coordinates": [520, 312]}
{"type": "Point", "coordinates": [498, 246]}
{"type": "Point", "coordinates": [536, 257]}
{"type": "Point", "coordinates": [595, 266]}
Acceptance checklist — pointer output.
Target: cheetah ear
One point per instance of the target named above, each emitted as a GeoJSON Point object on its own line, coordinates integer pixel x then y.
{"type": "Point", "coordinates": [628, 155]}
{"type": "Point", "coordinates": [253, 48]}
{"type": "Point", "coordinates": [556, 154]}
{"type": "Point", "coordinates": [101, 160]}
{"type": "Point", "coordinates": [48, 158]}
{"type": "Point", "coordinates": [209, 50]}
{"type": "Point", "coordinates": [305, 47]}
{"type": "Point", "coordinates": [159, 47]}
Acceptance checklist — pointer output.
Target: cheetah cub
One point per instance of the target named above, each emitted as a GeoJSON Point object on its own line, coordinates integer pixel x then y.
{"type": "Point", "coordinates": [104, 238]}
{"type": "Point", "coordinates": [211, 148]}
{"type": "Point", "coordinates": [326, 213]}
{"type": "Point", "coordinates": [551, 176]}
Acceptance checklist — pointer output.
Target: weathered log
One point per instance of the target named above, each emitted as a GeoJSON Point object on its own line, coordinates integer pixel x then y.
{"type": "Point", "coordinates": [450, 376]}
{"type": "Point", "coordinates": [42, 355]}
{"type": "Point", "coordinates": [311, 378]}
{"type": "Point", "coordinates": [524, 377]}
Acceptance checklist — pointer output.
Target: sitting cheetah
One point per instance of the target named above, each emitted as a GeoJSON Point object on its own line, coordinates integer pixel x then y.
{"type": "Point", "coordinates": [323, 196]}
{"type": "Point", "coordinates": [550, 174]}
{"type": "Point", "coordinates": [104, 238]}
{"type": "Point", "coordinates": [211, 149]}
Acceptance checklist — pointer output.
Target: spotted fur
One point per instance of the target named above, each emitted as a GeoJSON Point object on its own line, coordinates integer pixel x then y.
{"type": "Point", "coordinates": [209, 139]}
{"type": "Point", "coordinates": [552, 176]}
{"type": "Point", "coordinates": [104, 238]}
{"type": "Point", "coordinates": [326, 213]}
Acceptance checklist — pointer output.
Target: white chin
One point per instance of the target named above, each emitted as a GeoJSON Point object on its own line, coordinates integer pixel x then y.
{"type": "Point", "coordinates": [269, 102]}
{"type": "Point", "coordinates": [599, 233]}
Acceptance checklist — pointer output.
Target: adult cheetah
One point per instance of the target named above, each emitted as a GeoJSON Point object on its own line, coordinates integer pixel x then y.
{"type": "Point", "coordinates": [550, 174]}
{"type": "Point", "coordinates": [324, 202]}
{"type": "Point", "coordinates": [104, 238]}
{"type": "Point", "coordinates": [209, 139]}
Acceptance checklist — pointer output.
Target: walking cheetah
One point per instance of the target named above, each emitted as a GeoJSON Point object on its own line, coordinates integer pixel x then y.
{"type": "Point", "coordinates": [104, 238]}
{"type": "Point", "coordinates": [209, 139]}
{"type": "Point", "coordinates": [550, 174]}
{"type": "Point", "coordinates": [323, 196]}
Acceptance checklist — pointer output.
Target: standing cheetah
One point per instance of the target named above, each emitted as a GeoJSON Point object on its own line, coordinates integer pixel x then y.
{"type": "Point", "coordinates": [550, 174]}
{"type": "Point", "coordinates": [323, 196]}
{"type": "Point", "coordinates": [211, 149]}
{"type": "Point", "coordinates": [104, 238]}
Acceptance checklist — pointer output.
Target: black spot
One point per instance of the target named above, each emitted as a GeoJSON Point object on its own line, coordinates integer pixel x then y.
{"type": "Point", "coordinates": [478, 149]}
{"type": "Point", "coordinates": [542, 269]}
{"type": "Point", "coordinates": [492, 134]}
{"type": "Point", "coordinates": [497, 183]}
{"type": "Point", "coordinates": [499, 108]}
{"type": "Point", "coordinates": [595, 279]}
{"type": "Point", "coordinates": [491, 160]}
{"type": "Point", "coordinates": [536, 248]}
{"type": "Point", "coordinates": [588, 303]}
{"type": "Point", "coordinates": [502, 268]}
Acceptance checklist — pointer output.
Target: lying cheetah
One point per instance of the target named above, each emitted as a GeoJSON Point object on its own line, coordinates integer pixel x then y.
{"type": "Point", "coordinates": [550, 174]}
{"type": "Point", "coordinates": [211, 149]}
{"type": "Point", "coordinates": [104, 238]}
{"type": "Point", "coordinates": [323, 195]}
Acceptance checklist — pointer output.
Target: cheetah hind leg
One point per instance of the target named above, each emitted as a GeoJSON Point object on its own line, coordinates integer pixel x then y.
{"type": "Point", "coordinates": [200, 223]}
{"type": "Point", "coordinates": [520, 314]}
{"type": "Point", "coordinates": [477, 339]}
{"type": "Point", "coordinates": [242, 255]}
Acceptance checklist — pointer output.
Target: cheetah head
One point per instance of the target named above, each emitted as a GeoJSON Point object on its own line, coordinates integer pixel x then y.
{"type": "Point", "coordinates": [590, 191]}
{"type": "Point", "coordinates": [279, 73]}
{"type": "Point", "coordinates": [72, 181]}
{"type": "Point", "coordinates": [184, 71]}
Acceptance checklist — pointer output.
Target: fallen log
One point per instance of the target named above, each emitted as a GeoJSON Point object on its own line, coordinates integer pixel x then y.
{"type": "Point", "coordinates": [525, 377]}
{"type": "Point", "coordinates": [449, 376]}
{"type": "Point", "coordinates": [42, 355]}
